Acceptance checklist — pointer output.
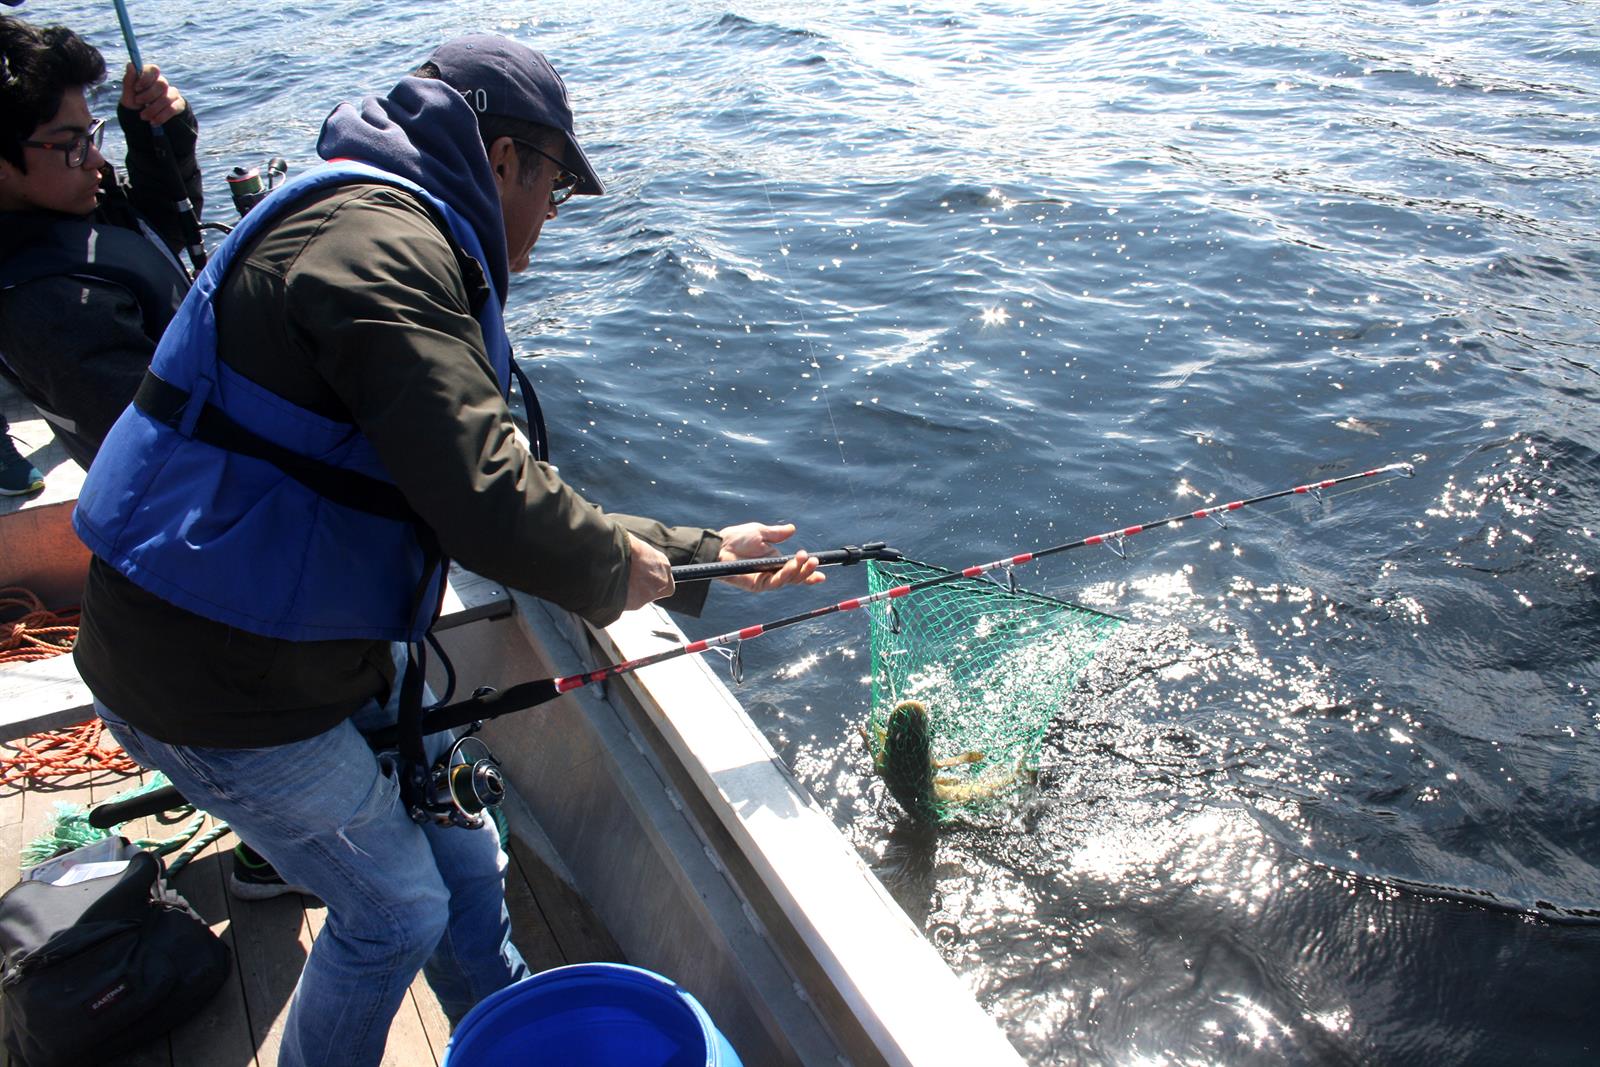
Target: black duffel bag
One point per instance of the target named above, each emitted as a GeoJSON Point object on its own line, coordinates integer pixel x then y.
{"type": "Point", "coordinates": [96, 968]}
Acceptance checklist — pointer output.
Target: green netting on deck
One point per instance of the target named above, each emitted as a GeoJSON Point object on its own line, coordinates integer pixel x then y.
{"type": "Point", "coordinates": [991, 667]}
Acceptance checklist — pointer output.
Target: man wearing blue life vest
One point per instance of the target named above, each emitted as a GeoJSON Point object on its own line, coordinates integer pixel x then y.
{"type": "Point", "coordinates": [89, 271]}
{"type": "Point", "coordinates": [324, 420]}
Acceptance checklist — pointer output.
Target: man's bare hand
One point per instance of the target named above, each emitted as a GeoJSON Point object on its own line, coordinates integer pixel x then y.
{"type": "Point", "coordinates": [754, 540]}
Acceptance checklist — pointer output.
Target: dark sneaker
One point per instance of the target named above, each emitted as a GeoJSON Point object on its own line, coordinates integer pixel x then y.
{"type": "Point", "coordinates": [253, 878]}
{"type": "Point", "coordinates": [18, 477]}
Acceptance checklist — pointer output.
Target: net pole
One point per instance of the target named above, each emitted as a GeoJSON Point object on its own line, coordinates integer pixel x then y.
{"type": "Point", "coordinates": [567, 684]}
{"type": "Point", "coordinates": [492, 705]}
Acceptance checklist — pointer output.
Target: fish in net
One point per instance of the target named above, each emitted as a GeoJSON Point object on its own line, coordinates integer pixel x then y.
{"type": "Point", "coordinates": [966, 676]}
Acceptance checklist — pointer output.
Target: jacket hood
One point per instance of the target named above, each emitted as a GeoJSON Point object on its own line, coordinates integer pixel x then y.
{"type": "Point", "coordinates": [425, 131]}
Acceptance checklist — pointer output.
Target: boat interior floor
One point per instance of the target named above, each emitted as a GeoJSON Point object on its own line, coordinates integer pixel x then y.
{"type": "Point", "coordinates": [243, 1024]}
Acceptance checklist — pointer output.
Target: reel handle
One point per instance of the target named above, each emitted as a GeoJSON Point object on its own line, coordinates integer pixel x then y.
{"type": "Point", "coordinates": [115, 812]}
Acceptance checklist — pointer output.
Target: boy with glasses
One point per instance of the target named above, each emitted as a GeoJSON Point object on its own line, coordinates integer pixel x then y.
{"type": "Point", "coordinates": [89, 271]}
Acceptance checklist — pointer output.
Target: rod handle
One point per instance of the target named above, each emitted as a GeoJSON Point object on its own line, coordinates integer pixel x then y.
{"type": "Point", "coordinates": [833, 557]}
{"type": "Point", "coordinates": [105, 816]}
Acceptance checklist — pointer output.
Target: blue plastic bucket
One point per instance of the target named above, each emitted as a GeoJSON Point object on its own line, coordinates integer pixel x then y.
{"type": "Point", "coordinates": [593, 1014]}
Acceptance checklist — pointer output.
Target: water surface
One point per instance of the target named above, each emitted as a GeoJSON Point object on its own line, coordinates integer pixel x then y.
{"type": "Point", "coordinates": [982, 277]}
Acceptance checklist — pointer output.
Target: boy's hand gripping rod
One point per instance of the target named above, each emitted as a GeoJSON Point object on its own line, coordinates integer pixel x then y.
{"type": "Point", "coordinates": [529, 694]}
{"type": "Point", "coordinates": [188, 218]}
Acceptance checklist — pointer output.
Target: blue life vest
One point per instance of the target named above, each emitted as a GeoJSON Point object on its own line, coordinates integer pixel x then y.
{"type": "Point", "coordinates": [249, 541]}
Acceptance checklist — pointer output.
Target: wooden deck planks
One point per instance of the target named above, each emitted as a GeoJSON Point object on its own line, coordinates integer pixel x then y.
{"type": "Point", "coordinates": [434, 1024]}
{"type": "Point", "coordinates": [220, 1034]}
{"type": "Point", "coordinates": [576, 934]}
{"type": "Point", "coordinates": [530, 933]}
{"type": "Point", "coordinates": [242, 1025]}
{"type": "Point", "coordinates": [103, 787]}
{"type": "Point", "coordinates": [42, 695]}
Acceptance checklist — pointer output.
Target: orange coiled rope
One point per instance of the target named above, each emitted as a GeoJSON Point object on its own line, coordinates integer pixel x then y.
{"type": "Point", "coordinates": [39, 634]}
{"type": "Point", "coordinates": [75, 750]}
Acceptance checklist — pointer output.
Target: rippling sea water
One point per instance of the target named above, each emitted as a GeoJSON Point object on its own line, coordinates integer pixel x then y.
{"type": "Point", "coordinates": [975, 278]}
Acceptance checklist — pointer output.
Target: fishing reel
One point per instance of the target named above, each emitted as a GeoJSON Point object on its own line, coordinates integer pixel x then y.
{"type": "Point", "coordinates": [248, 187]}
{"type": "Point", "coordinates": [459, 787]}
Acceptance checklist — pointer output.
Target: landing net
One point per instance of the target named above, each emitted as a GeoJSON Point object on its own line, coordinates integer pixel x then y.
{"type": "Point", "coordinates": [991, 665]}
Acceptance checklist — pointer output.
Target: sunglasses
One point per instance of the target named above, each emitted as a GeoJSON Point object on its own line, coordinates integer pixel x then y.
{"type": "Point", "coordinates": [76, 150]}
{"type": "Point", "coordinates": [566, 182]}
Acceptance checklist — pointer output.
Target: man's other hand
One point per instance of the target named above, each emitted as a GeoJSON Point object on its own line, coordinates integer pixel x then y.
{"type": "Point", "coordinates": [754, 540]}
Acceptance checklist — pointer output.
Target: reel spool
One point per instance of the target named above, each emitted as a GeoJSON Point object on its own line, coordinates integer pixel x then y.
{"type": "Point", "coordinates": [463, 784]}
{"type": "Point", "coordinates": [248, 187]}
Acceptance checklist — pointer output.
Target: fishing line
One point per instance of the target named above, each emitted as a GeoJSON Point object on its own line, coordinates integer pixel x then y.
{"type": "Point", "coordinates": [816, 364]}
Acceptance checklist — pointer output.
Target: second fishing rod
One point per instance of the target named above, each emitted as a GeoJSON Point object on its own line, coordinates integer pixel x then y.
{"type": "Point", "coordinates": [188, 217]}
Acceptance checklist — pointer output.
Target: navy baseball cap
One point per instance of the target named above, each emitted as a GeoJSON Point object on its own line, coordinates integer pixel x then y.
{"type": "Point", "coordinates": [499, 76]}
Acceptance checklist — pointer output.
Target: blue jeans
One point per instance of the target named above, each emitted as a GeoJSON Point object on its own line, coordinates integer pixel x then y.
{"type": "Point", "coordinates": [400, 896]}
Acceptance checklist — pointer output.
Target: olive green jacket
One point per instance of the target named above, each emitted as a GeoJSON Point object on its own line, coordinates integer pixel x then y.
{"type": "Point", "coordinates": [354, 306]}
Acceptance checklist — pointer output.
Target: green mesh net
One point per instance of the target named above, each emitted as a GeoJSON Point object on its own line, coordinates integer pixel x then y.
{"type": "Point", "coordinates": [966, 676]}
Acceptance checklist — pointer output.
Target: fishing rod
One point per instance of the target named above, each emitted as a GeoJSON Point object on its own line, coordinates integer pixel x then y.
{"type": "Point", "coordinates": [115, 812]}
{"type": "Point", "coordinates": [491, 704]}
{"type": "Point", "coordinates": [532, 693]}
{"type": "Point", "coordinates": [187, 216]}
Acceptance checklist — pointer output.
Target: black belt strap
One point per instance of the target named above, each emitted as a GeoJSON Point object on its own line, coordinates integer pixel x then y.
{"type": "Point", "coordinates": [166, 403]}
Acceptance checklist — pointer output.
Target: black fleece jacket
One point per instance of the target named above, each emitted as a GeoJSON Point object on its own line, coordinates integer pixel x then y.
{"type": "Point", "coordinates": [79, 346]}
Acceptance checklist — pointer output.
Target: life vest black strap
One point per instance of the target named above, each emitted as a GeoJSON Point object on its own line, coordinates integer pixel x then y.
{"type": "Point", "coordinates": [538, 436]}
{"type": "Point", "coordinates": [167, 403]}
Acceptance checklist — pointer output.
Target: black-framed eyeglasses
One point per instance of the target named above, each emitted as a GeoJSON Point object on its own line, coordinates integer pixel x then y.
{"type": "Point", "coordinates": [566, 182]}
{"type": "Point", "coordinates": [77, 149]}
